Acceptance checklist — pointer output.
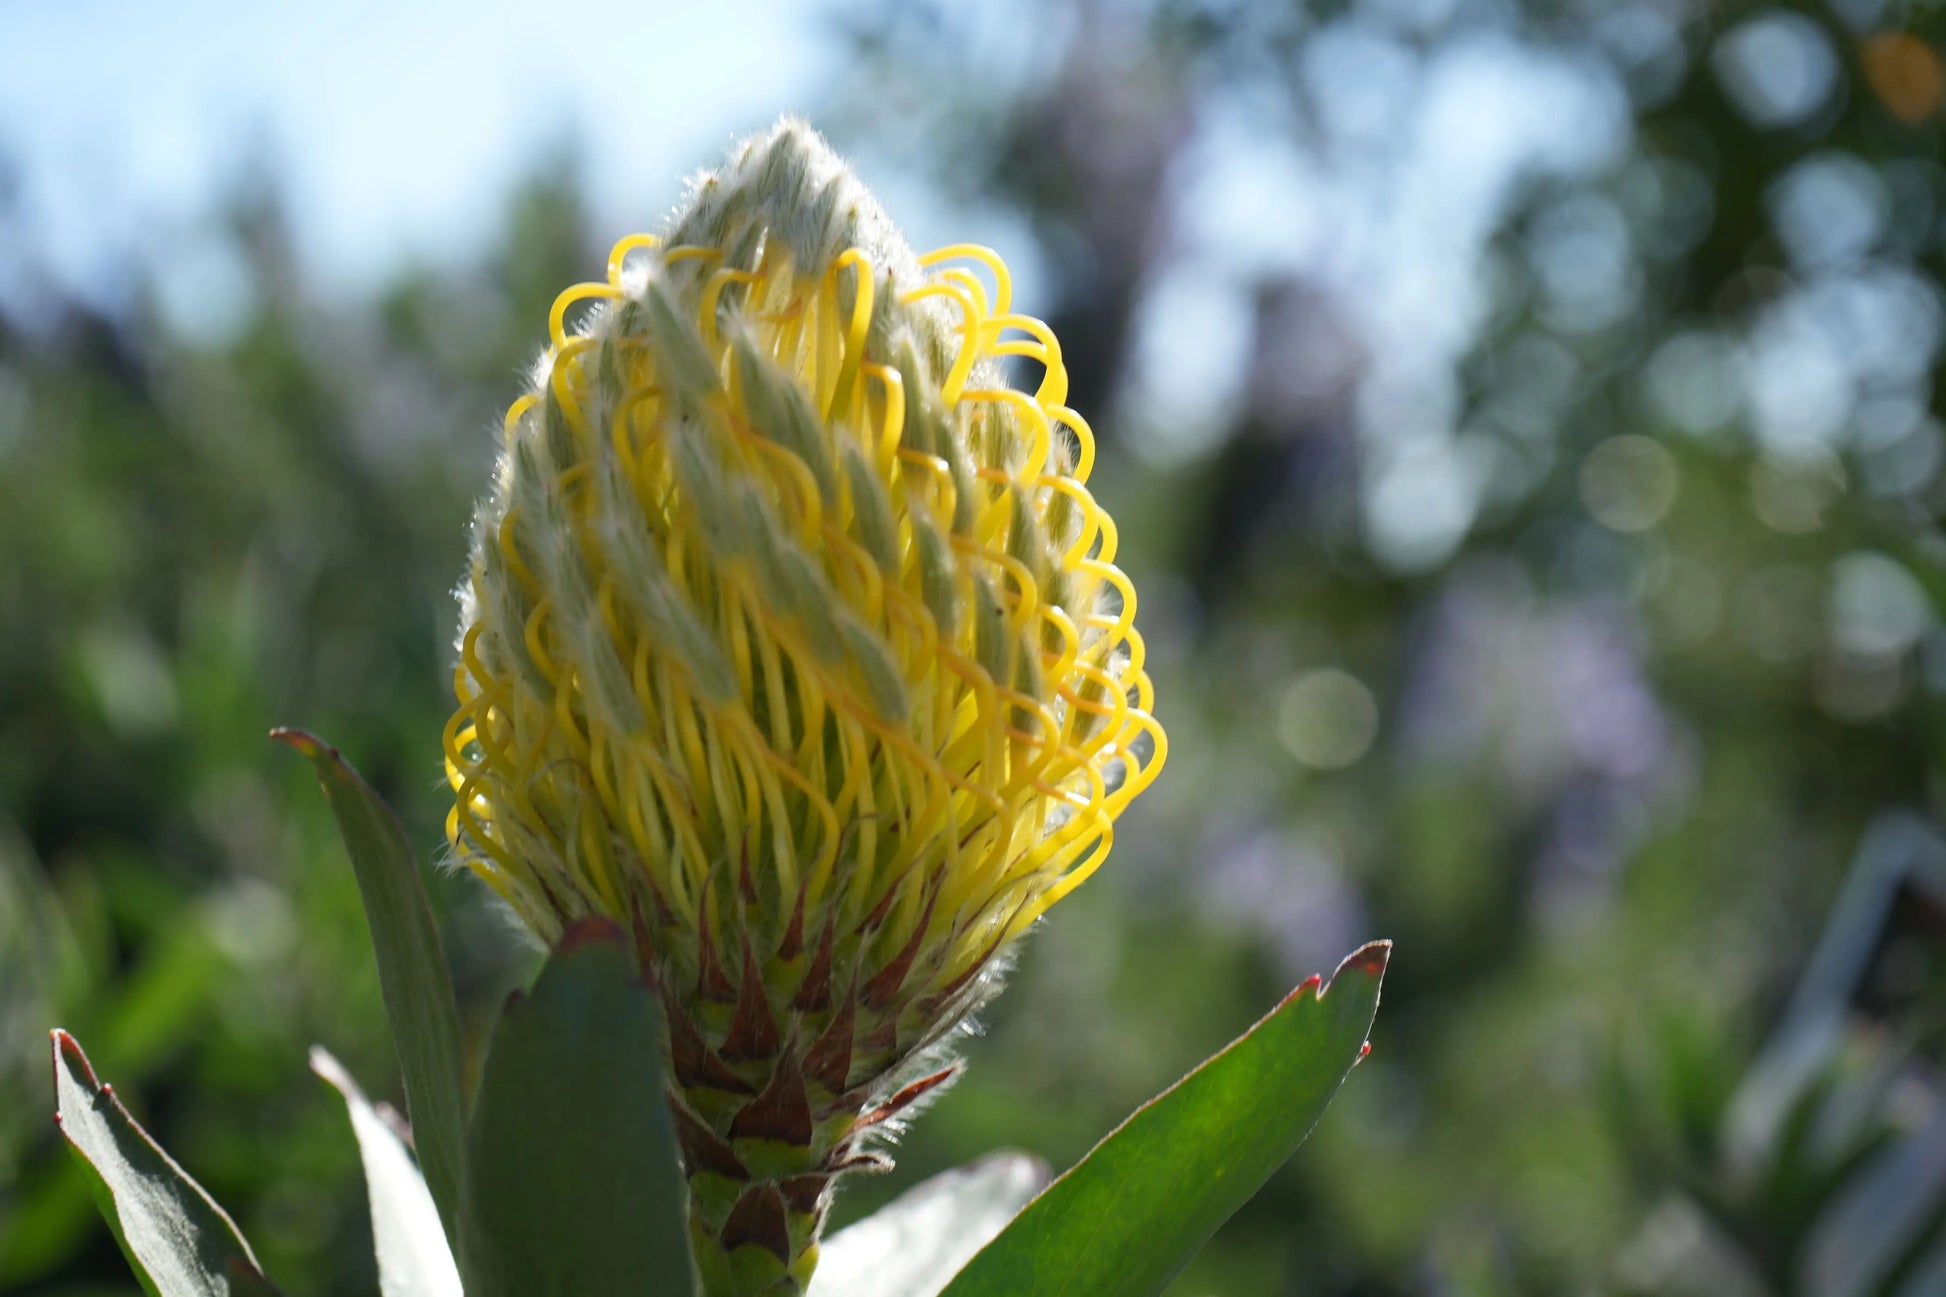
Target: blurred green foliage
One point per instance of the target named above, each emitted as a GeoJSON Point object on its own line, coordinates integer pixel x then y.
{"type": "Point", "coordinates": [204, 541]}
{"type": "Point", "coordinates": [1545, 574]}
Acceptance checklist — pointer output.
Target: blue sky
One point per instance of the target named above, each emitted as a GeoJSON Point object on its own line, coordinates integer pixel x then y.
{"type": "Point", "coordinates": [395, 129]}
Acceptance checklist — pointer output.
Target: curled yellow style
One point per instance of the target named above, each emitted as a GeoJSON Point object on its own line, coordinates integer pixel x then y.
{"type": "Point", "coordinates": [793, 639]}
{"type": "Point", "coordinates": [778, 569]}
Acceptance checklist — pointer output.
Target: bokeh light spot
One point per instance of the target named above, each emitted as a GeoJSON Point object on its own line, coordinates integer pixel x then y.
{"type": "Point", "coordinates": [1628, 483]}
{"type": "Point", "coordinates": [1777, 611]}
{"type": "Point", "coordinates": [1791, 494]}
{"type": "Point", "coordinates": [1692, 381]}
{"type": "Point", "coordinates": [1829, 209]}
{"type": "Point", "coordinates": [1328, 719]}
{"type": "Point", "coordinates": [1777, 68]}
{"type": "Point", "coordinates": [1904, 72]}
{"type": "Point", "coordinates": [1877, 609]}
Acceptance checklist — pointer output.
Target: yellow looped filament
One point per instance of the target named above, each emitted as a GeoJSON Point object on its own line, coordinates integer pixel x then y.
{"type": "Point", "coordinates": [785, 599]}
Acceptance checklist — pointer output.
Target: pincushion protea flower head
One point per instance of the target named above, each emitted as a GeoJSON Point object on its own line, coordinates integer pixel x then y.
{"type": "Point", "coordinates": [793, 642]}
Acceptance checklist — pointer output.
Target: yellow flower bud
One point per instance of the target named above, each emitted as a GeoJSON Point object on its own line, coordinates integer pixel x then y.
{"type": "Point", "coordinates": [793, 642]}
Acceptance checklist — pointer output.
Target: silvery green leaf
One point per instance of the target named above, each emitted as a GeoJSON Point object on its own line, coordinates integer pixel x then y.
{"type": "Point", "coordinates": [916, 1244]}
{"type": "Point", "coordinates": [412, 974]}
{"type": "Point", "coordinates": [177, 1240]}
{"type": "Point", "coordinates": [1865, 1237]}
{"type": "Point", "coordinates": [413, 1259]}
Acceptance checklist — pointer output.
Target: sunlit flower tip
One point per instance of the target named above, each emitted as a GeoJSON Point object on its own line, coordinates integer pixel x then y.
{"type": "Point", "coordinates": [793, 641]}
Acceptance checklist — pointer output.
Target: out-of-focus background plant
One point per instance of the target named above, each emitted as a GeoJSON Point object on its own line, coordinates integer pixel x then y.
{"type": "Point", "coordinates": [1526, 442]}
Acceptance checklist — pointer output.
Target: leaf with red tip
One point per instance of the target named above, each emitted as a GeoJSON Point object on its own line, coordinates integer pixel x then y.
{"type": "Point", "coordinates": [412, 976]}
{"type": "Point", "coordinates": [1133, 1212]}
{"type": "Point", "coordinates": [179, 1242]}
{"type": "Point", "coordinates": [571, 1176]}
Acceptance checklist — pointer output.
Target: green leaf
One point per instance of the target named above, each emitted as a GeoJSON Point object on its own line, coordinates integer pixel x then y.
{"type": "Point", "coordinates": [572, 1185]}
{"type": "Point", "coordinates": [413, 1259]}
{"type": "Point", "coordinates": [916, 1244]}
{"type": "Point", "coordinates": [412, 972]}
{"type": "Point", "coordinates": [1133, 1212]}
{"type": "Point", "coordinates": [179, 1241]}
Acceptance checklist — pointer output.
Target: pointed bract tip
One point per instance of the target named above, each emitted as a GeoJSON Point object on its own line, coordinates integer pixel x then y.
{"type": "Point", "coordinates": [305, 742]}
{"type": "Point", "coordinates": [1370, 959]}
{"type": "Point", "coordinates": [241, 1271]}
{"type": "Point", "coordinates": [64, 1043]}
{"type": "Point", "coordinates": [516, 998]}
{"type": "Point", "coordinates": [1312, 986]}
{"type": "Point", "coordinates": [589, 931]}
{"type": "Point", "coordinates": [330, 1070]}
